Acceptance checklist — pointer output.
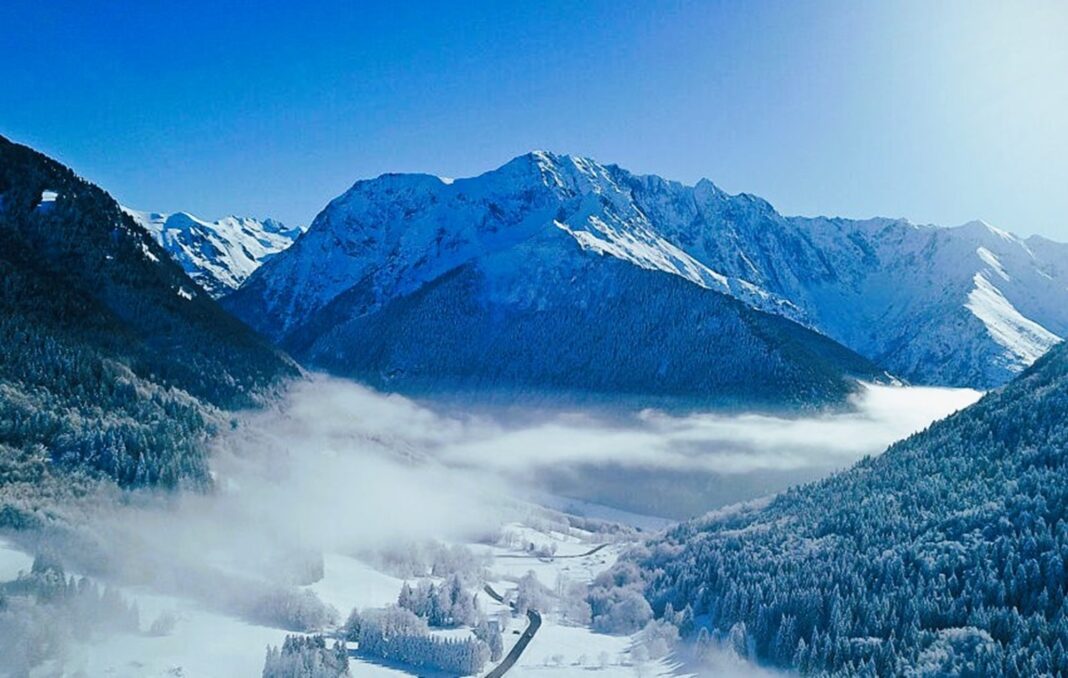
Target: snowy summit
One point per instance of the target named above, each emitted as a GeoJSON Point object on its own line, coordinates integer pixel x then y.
{"type": "Point", "coordinates": [219, 255]}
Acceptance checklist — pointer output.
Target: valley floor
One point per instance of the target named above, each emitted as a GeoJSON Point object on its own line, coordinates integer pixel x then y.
{"type": "Point", "coordinates": [206, 643]}
{"type": "Point", "coordinates": [315, 474]}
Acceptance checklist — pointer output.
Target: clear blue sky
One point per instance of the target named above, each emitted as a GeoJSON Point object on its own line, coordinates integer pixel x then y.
{"type": "Point", "coordinates": [936, 111]}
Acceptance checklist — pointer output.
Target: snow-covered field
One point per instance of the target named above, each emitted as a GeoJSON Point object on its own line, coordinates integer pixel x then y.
{"type": "Point", "coordinates": [202, 643]}
{"type": "Point", "coordinates": [12, 561]}
{"type": "Point", "coordinates": [206, 643]}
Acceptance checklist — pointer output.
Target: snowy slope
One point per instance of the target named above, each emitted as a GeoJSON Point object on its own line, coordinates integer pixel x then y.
{"type": "Point", "coordinates": [966, 306]}
{"type": "Point", "coordinates": [219, 255]}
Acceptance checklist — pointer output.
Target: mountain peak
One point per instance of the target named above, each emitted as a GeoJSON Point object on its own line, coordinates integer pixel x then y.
{"type": "Point", "coordinates": [218, 255]}
{"type": "Point", "coordinates": [980, 228]}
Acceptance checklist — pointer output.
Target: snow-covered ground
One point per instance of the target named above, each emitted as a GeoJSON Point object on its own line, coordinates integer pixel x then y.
{"type": "Point", "coordinates": [202, 643]}
{"type": "Point", "coordinates": [12, 561]}
{"type": "Point", "coordinates": [206, 643]}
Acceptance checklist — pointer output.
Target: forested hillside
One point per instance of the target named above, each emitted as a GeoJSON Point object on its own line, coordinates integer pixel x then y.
{"type": "Point", "coordinates": [109, 354]}
{"type": "Point", "coordinates": [947, 555]}
{"type": "Point", "coordinates": [647, 339]}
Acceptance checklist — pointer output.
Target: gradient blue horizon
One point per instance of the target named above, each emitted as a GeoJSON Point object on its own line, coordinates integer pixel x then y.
{"type": "Point", "coordinates": [937, 112]}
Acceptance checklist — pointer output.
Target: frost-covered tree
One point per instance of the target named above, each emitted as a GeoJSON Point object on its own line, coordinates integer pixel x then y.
{"type": "Point", "coordinates": [489, 632]}
{"type": "Point", "coordinates": [617, 602]}
{"type": "Point", "coordinates": [531, 593]}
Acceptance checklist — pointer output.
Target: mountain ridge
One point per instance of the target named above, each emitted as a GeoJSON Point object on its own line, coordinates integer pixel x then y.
{"type": "Point", "coordinates": [395, 240]}
{"type": "Point", "coordinates": [961, 306]}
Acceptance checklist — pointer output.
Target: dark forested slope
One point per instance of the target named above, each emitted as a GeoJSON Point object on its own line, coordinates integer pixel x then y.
{"type": "Point", "coordinates": [944, 556]}
{"type": "Point", "coordinates": [108, 351]}
{"type": "Point", "coordinates": [648, 338]}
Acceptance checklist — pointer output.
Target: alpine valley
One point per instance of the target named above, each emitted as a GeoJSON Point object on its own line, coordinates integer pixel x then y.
{"type": "Point", "coordinates": [552, 417]}
{"type": "Point", "coordinates": [503, 393]}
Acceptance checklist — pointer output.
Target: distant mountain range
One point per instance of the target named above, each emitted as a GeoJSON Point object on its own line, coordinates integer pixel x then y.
{"type": "Point", "coordinates": [218, 255]}
{"type": "Point", "coordinates": [550, 270]}
{"type": "Point", "coordinates": [113, 362]}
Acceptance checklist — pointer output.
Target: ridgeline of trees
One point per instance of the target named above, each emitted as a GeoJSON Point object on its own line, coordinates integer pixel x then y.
{"type": "Point", "coordinates": [110, 356]}
{"type": "Point", "coordinates": [947, 555]}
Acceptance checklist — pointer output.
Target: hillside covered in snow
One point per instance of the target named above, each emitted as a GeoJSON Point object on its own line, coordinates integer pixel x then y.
{"type": "Point", "coordinates": [964, 306]}
{"type": "Point", "coordinates": [218, 255]}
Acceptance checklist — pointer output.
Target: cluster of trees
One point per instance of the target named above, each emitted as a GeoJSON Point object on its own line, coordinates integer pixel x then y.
{"type": "Point", "coordinates": [530, 593]}
{"type": "Point", "coordinates": [445, 605]}
{"type": "Point", "coordinates": [572, 602]}
{"type": "Point", "coordinates": [286, 607]}
{"type": "Point", "coordinates": [104, 366]}
{"type": "Point", "coordinates": [450, 605]}
{"type": "Point", "coordinates": [416, 559]}
{"type": "Point", "coordinates": [489, 632]}
{"type": "Point", "coordinates": [397, 634]}
{"type": "Point", "coordinates": [617, 600]}
{"type": "Point", "coordinates": [306, 657]}
{"type": "Point", "coordinates": [43, 611]}
{"type": "Point", "coordinates": [947, 555]}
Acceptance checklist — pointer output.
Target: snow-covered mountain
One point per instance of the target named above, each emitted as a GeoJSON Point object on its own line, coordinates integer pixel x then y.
{"type": "Point", "coordinates": [219, 255]}
{"type": "Point", "coordinates": [529, 280]}
{"type": "Point", "coordinates": [969, 305]}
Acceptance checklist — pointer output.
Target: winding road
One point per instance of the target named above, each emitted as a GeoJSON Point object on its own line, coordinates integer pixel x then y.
{"type": "Point", "coordinates": [520, 645]}
{"type": "Point", "coordinates": [533, 615]}
{"type": "Point", "coordinates": [592, 551]}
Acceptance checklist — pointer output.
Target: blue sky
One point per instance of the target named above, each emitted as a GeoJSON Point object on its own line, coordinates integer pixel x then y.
{"type": "Point", "coordinates": [939, 112]}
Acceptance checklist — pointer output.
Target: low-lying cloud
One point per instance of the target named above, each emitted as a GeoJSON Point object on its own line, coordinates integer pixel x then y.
{"type": "Point", "coordinates": [339, 412]}
{"type": "Point", "coordinates": [341, 468]}
{"type": "Point", "coordinates": [355, 451]}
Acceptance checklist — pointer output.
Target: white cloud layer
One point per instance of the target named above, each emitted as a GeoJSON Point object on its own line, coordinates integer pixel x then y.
{"type": "Point", "coordinates": [337, 413]}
